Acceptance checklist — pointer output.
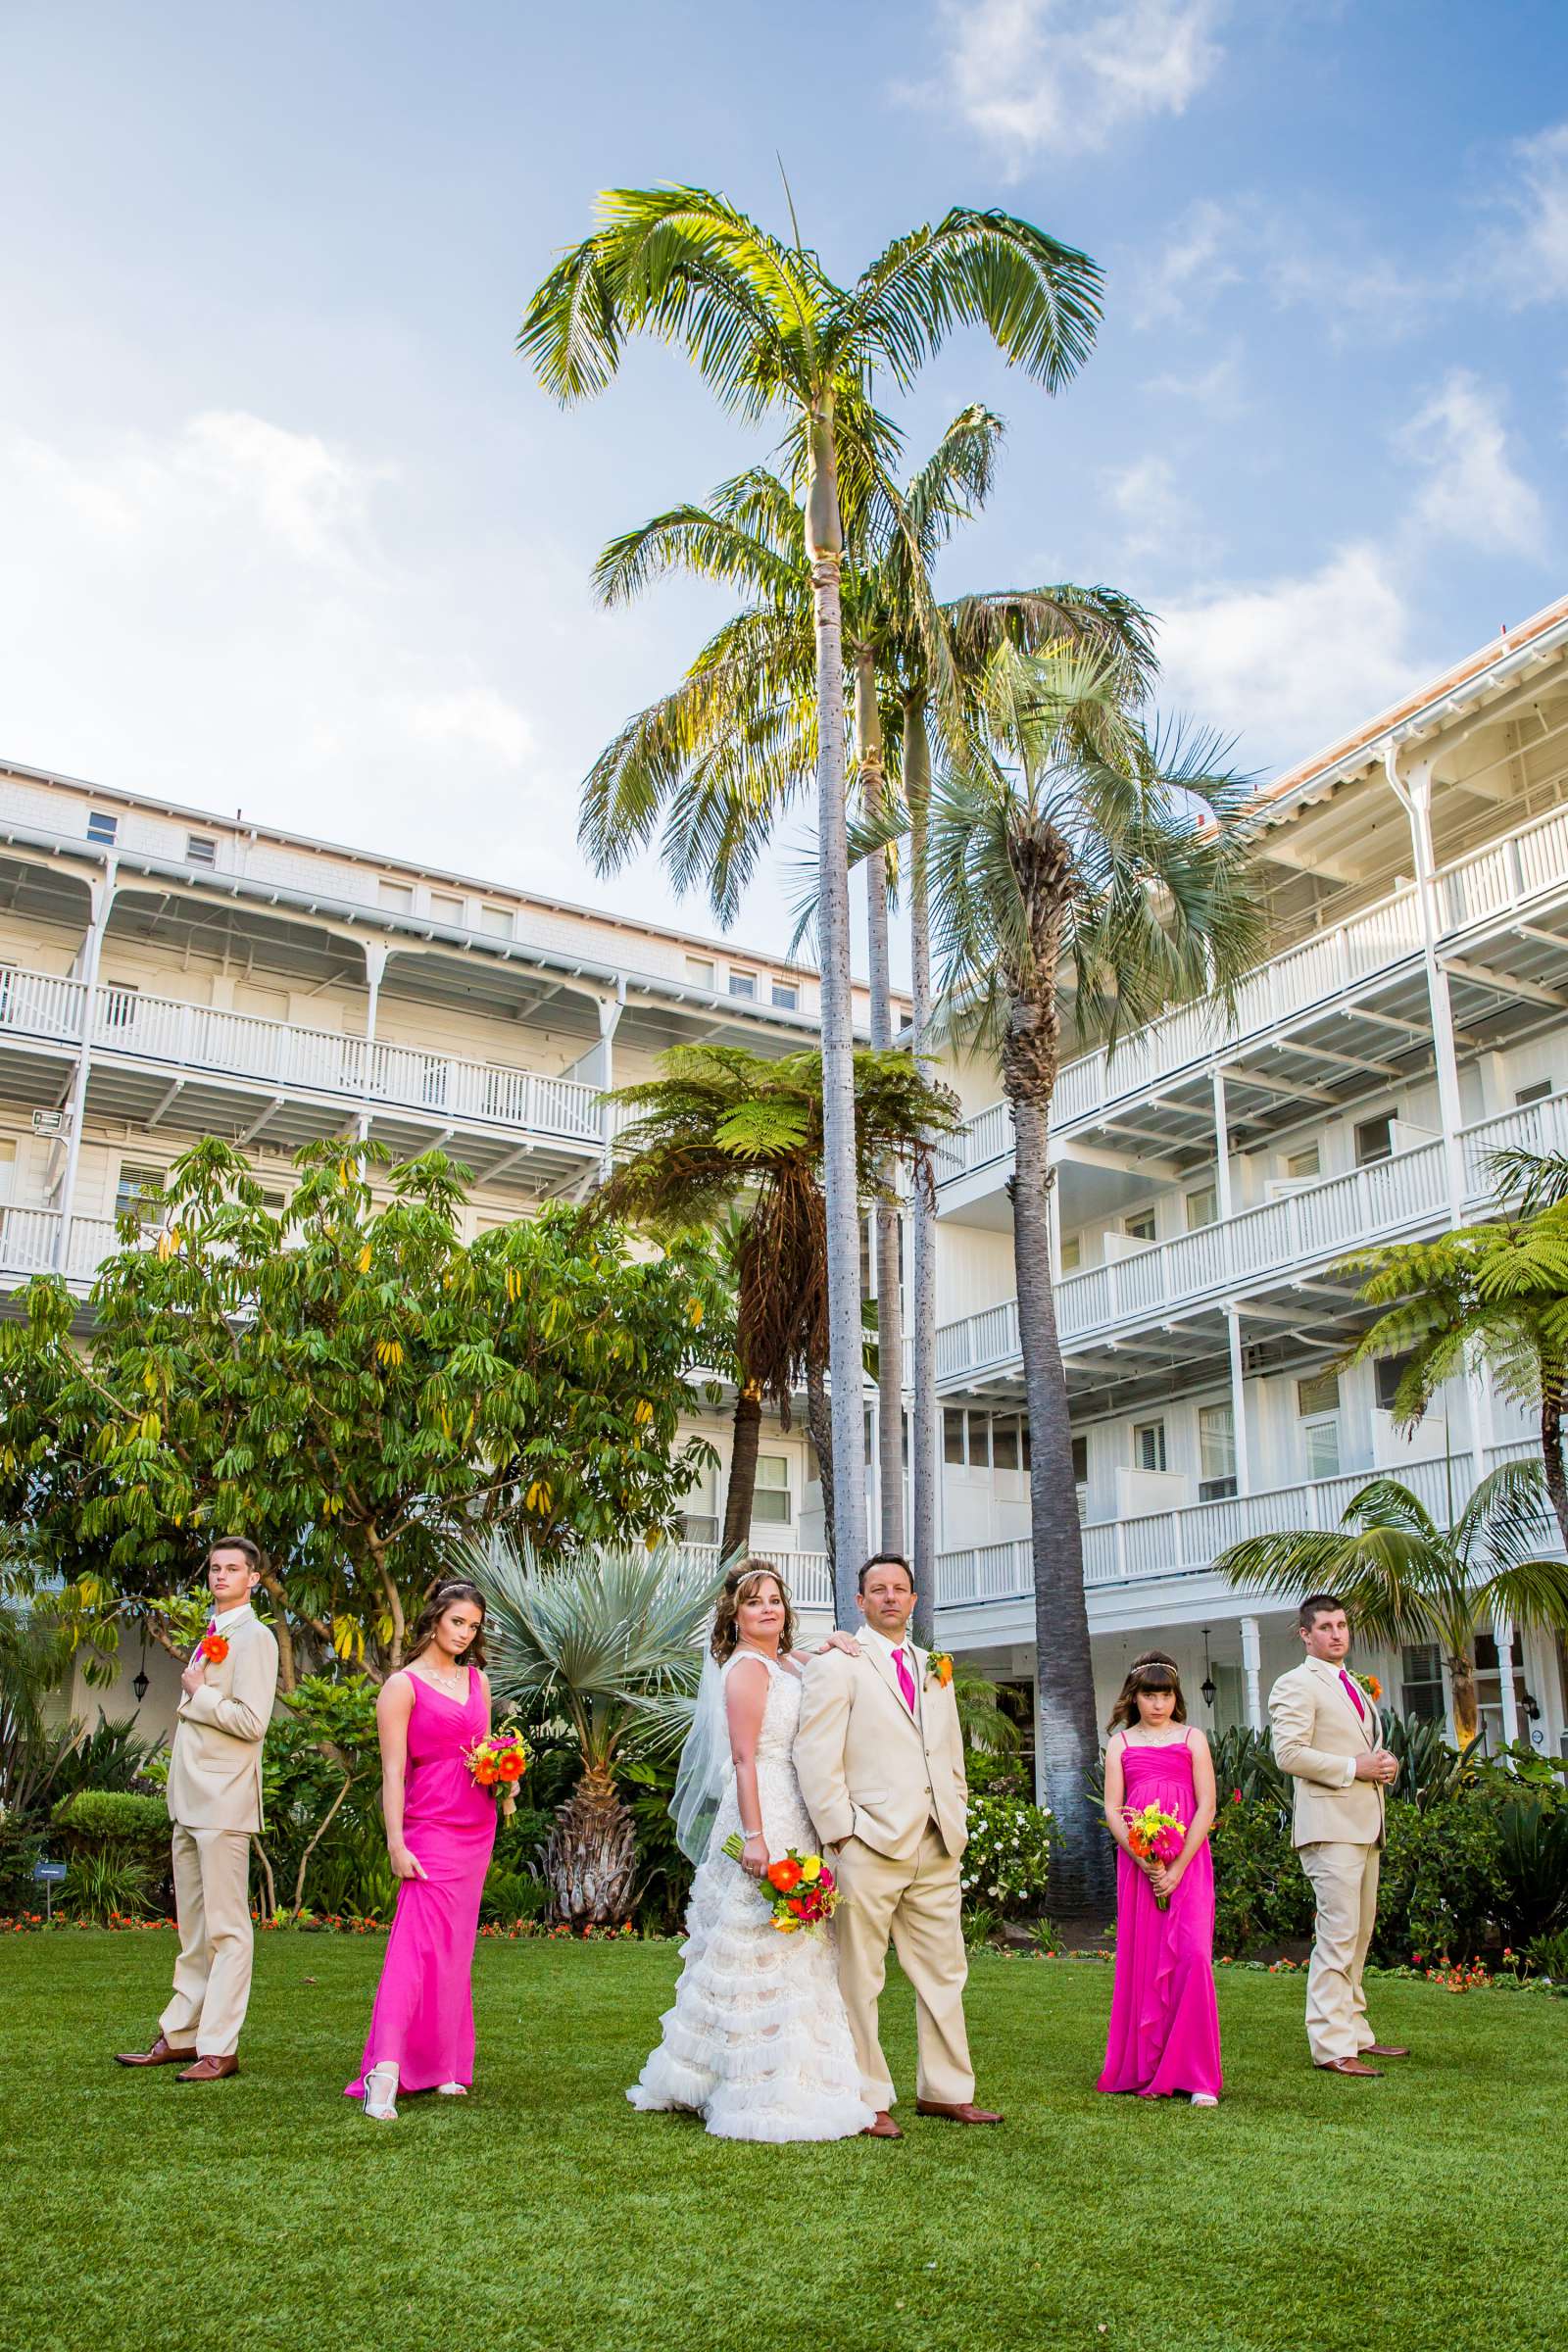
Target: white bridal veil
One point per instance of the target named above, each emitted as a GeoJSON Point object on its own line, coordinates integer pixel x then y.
{"type": "Point", "coordinates": [705, 1765]}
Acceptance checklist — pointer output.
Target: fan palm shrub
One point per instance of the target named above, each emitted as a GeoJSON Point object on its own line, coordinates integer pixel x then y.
{"type": "Point", "coordinates": [1072, 851]}
{"type": "Point", "coordinates": [773, 334]}
{"type": "Point", "coordinates": [1403, 1578]}
{"type": "Point", "coordinates": [606, 1639]}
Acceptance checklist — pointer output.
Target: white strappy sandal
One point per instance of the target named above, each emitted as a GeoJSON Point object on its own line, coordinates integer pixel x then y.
{"type": "Point", "coordinates": [452, 2090]}
{"type": "Point", "coordinates": [381, 2092]}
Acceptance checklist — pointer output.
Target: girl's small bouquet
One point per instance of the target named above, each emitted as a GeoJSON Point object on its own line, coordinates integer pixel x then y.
{"type": "Point", "coordinates": [1155, 1836]}
{"type": "Point", "coordinates": [498, 1763]}
{"type": "Point", "coordinates": [801, 1888]}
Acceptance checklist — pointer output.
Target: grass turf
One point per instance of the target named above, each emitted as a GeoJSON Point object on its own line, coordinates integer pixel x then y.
{"type": "Point", "coordinates": [1308, 2214]}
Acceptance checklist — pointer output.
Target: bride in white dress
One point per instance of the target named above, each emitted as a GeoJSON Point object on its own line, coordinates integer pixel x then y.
{"type": "Point", "coordinates": [758, 2042]}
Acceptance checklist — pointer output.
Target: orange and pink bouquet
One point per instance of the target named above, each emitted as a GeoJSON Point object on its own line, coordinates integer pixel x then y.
{"type": "Point", "coordinates": [1155, 1836]}
{"type": "Point", "coordinates": [801, 1888]}
{"type": "Point", "coordinates": [498, 1763]}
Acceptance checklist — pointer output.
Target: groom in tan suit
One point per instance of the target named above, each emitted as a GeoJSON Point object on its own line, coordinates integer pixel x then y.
{"type": "Point", "coordinates": [215, 1802]}
{"type": "Point", "coordinates": [879, 1755]}
{"type": "Point", "coordinates": [1328, 1737]}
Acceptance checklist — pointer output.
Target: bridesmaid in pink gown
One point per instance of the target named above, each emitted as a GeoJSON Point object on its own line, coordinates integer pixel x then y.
{"type": "Point", "coordinates": [1164, 2019]}
{"type": "Point", "coordinates": [440, 1827]}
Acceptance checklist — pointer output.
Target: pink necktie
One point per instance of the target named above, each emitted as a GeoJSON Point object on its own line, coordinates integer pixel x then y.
{"type": "Point", "coordinates": [1353, 1694]}
{"type": "Point", "coordinates": [906, 1680]}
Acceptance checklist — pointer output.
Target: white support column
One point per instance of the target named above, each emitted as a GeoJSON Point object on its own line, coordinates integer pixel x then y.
{"type": "Point", "coordinates": [375, 956]}
{"type": "Point", "coordinates": [1413, 790]}
{"type": "Point", "coordinates": [103, 900]}
{"type": "Point", "coordinates": [1502, 1634]}
{"type": "Point", "coordinates": [1222, 1149]}
{"type": "Point", "coordinates": [1252, 1659]}
{"type": "Point", "coordinates": [611, 1009]}
{"type": "Point", "coordinates": [1233, 1328]}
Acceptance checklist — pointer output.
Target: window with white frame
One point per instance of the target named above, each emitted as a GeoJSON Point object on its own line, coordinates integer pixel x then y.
{"type": "Point", "coordinates": [743, 984]}
{"type": "Point", "coordinates": [979, 1441]}
{"type": "Point", "coordinates": [952, 1436]}
{"type": "Point", "coordinates": [1302, 1166]}
{"type": "Point", "coordinates": [497, 922]}
{"type": "Point", "coordinates": [446, 908]}
{"type": "Point", "coordinates": [1005, 1445]}
{"type": "Point", "coordinates": [397, 895]}
{"type": "Point", "coordinates": [1388, 1373]}
{"type": "Point", "coordinates": [701, 971]}
{"type": "Point", "coordinates": [1536, 1092]}
{"type": "Point", "coordinates": [1149, 1445]}
{"type": "Point", "coordinates": [1072, 1253]}
{"type": "Point", "coordinates": [1216, 1452]}
{"type": "Point", "coordinates": [1203, 1207]}
{"type": "Point", "coordinates": [772, 1504]}
{"type": "Point", "coordinates": [787, 996]}
{"type": "Point", "coordinates": [138, 1184]}
{"type": "Point", "coordinates": [200, 849]}
{"type": "Point", "coordinates": [1374, 1140]}
{"type": "Point", "coordinates": [102, 828]}
{"type": "Point", "coordinates": [700, 1508]}
{"type": "Point", "coordinates": [1421, 1681]}
{"type": "Point", "coordinates": [1139, 1226]}
{"type": "Point", "coordinates": [1317, 1403]}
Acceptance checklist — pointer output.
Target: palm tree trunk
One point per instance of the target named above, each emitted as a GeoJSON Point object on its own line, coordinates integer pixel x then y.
{"type": "Point", "coordinates": [820, 1421]}
{"type": "Point", "coordinates": [824, 545]}
{"type": "Point", "coordinates": [1551, 1455]}
{"type": "Point", "coordinates": [742, 1489]}
{"type": "Point", "coordinates": [1067, 1735]}
{"type": "Point", "coordinates": [590, 1858]}
{"type": "Point", "coordinates": [923, 1287]}
{"type": "Point", "coordinates": [889, 1305]}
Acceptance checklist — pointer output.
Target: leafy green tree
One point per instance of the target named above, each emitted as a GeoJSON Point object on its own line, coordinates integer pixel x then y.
{"type": "Point", "coordinates": [1403, 1578]}
{"type": "Point", "coordinates": [606, 1638]}
{"type": "Point", "coordinates": [1069, 849]}
{"type": "Point", "coordinates": [727, 1132]}
{"type": "Point", "coordinates": [349, 1382]}
{"type": "Point", "coordinates": [772, 333]}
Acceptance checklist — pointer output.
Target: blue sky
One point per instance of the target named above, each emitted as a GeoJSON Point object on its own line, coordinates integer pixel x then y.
{"type": "Point", "coordinates": [289, 528]}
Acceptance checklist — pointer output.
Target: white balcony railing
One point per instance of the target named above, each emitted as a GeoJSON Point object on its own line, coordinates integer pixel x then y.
{"type": "Point", "coordinates": [280, 1054]}
{"type": "Point", "coordinates": [29, 1237]}
{"type": "Point", "coordinates": [807, 1573]}
{"type": "Point", "coordinates": [1313, 1227]}
{"type": "Point", "coordinates": [1187, 1540]}
{"type": "Point", "coordinates": [1474, 890]}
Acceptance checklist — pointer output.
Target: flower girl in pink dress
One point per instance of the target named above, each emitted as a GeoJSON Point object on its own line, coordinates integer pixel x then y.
{"type": "Point", "coordinates": [440, 1827]}
{"type": "Point", "coordinates": [1164, 2019]}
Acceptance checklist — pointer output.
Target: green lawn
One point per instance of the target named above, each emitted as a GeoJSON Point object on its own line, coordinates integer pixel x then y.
{"type": "Point", "coordinates": [1308, 2213]}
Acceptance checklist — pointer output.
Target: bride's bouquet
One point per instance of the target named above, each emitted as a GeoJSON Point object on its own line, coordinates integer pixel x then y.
{"type": "Point", "coordinates": [1155, 1836]}
{"type": "Point", "coordinates": [801, 1888]}
{"type": "Point", "coordinates": [498, 1763]}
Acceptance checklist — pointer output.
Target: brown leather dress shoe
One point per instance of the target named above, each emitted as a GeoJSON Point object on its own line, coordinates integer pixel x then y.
{"type": "Point", "coordinates": [210, 2070]}
{"type": "Point", "coordinates": [884, 2127]}
{"type": "Point", "coordinates": [1384, 2049]}
{"type": "Point", "coordinates": [966, 2112]}
{"type": "Point", "coordinates": [1346, 2066]}
{"type": "Point", "coordinates": [162, 2053]}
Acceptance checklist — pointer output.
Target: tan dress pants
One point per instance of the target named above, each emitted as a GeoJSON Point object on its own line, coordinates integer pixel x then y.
{"type": "Point", "coordinates": [1344, 1881]}
{"type": "Point", "coordinates": [213, 1973]}
{"type": "Point", "coordinates": [916, 1902]}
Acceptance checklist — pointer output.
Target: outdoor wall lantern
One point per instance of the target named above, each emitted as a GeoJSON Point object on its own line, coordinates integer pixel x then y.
{"type": "Point", "coordinates": [1206, 1689]}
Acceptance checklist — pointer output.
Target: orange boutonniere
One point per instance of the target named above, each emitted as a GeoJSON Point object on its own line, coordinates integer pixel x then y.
{"type": "Point", "coordinates": [1371, 1686]}
{"type": "Point", "coordinates": [214, 1648]}
{"type": "Point", "coordinates": [940, 1664]}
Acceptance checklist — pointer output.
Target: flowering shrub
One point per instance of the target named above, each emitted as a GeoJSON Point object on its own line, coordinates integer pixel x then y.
{"type": "Point", "coordinates": [1008, 1858]}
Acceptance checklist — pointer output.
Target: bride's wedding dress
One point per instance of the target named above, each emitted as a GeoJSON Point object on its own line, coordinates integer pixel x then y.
{"type": "Point", "coordinates": [758, 2042]}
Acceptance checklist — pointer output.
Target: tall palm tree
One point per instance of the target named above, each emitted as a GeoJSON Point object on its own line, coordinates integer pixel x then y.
{"type": "Point", "coordinates": [771, 332]}
{"type": "Point", "coordinates": [722, 754]}
{"type": "Point", "coordinates": [1402, 1578]}
{"type": "Point", "coordinates": [1070, 845]}
{"type": "Point", "coordinates": [607, 1638]}
{"type": "Point", "coordinates": [726, 1131]}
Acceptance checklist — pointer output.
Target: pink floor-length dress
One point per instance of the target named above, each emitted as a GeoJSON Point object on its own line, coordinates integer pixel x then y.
{"type": "Point", "coordinates": [423, 2013]}
{"type": "Point", "coordinates": [1164, 2017]}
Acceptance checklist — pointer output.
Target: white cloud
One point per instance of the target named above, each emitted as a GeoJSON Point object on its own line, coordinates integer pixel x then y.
{"type": "Point", "coordinates": [1325, 263]}
{"type": "Point", "coordinates": [1159, 520]}
{"type": "Point", "coordinates": [1198, 258]}
{"type": "Point", "coordinates": [216, 612]}
{"type": "Point", "coordinates": [1033, 76]}
{"type": "Point", "coordinates": [1215, 391]}
{"type": "Point", "coordinates": [1531, 257]}
{"type": "Point", "coordinates": [1286, 665]}
{"type": "Point", "coordinates": [1473, 493]}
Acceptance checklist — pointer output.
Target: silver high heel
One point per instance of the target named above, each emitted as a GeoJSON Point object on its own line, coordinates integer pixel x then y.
{"type": "Point", "coordinates": [381, 2092]}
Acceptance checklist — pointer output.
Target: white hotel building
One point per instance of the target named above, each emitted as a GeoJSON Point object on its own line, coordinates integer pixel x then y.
{"type": "Point", "coordinates": [167, 973]}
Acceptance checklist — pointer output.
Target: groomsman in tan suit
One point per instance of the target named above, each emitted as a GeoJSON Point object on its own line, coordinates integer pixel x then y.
{"type": "Point", "coordinates": [1327, 1735]}
{"type": "Point", "coordinates": [215, 1802]}
{"type": "Point", "coordinates": [879, 1755]}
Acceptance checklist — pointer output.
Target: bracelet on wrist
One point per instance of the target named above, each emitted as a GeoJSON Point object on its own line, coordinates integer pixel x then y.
{"type": "Point", "coordinates": [749, 1835]}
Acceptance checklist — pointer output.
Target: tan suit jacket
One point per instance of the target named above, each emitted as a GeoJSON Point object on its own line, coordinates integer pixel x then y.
{"type": "Point", "coordinates": [214, 1768]}
{"type": "Point", "coordinates": [868, 1767]}
{"type": "Point", "coordinates": [1317, 1736]}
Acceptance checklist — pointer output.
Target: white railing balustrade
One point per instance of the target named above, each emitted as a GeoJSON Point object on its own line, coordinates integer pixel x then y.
{"type": "Point", "coordinates": [808, 1575]}
{"type": "Point", "coordinates": [27, 1240]}
{"type": "Point", "coordinates": [39, 1005]}
{"type": "Point", "coordinates": [1187, 1540]}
